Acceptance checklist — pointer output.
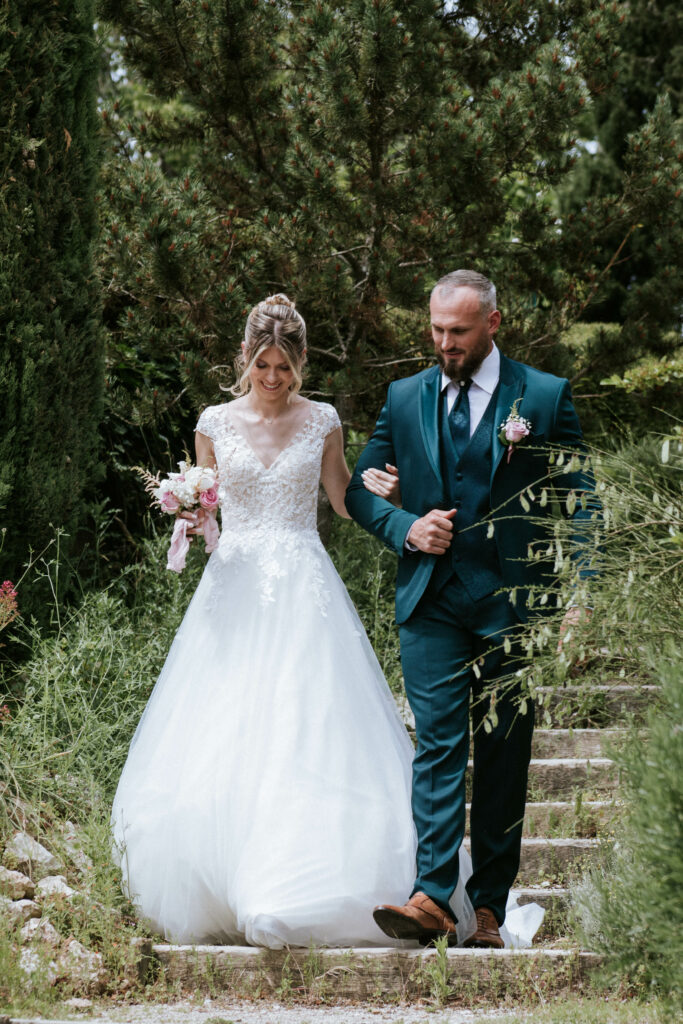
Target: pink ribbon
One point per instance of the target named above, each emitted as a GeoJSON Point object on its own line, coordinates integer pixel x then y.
{"type": "Point", "coordinates": [211, 533]}
{"type": "Point", "coordinates": [180, 542]}
{"type": "Point", "coordinates": [180, 545]}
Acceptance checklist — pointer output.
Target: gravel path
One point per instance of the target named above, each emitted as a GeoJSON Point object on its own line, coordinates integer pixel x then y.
{"type": "Point", "coordinates": [221, 1011]}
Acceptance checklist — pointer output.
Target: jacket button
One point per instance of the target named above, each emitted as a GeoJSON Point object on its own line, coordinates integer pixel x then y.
{"type": "Point", "coordinates": [458, 476]}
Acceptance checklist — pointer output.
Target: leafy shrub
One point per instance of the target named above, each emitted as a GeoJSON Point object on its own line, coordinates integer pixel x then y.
{"type": "Point", "coordinates": [630, 909]}
{"type": "Point", "coordinates": [637, 598]}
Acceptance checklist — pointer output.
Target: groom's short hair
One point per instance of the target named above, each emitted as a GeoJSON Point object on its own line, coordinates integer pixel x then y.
{"type": "Point", "coordinates": [470, 279]}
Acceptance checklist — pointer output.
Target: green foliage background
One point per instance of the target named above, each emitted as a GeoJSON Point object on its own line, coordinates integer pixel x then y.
{"type": "Point", "coordinates": [51, 336]}
{"type": "Point", "coordinates": [349, 153]}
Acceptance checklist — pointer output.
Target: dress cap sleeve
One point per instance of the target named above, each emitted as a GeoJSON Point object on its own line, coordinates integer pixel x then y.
{"type": "Point", "coordinates": [205, 423]}
{"type": "Point", "coordinates": [329, 418]}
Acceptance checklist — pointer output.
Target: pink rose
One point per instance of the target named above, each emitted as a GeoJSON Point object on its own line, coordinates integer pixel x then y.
{"type": "Point", "coordinates": [169, 502]}
{"type": "Point", "coordinates": [208, 499]}
{"type": "Point", "coordinates": [515, 431]}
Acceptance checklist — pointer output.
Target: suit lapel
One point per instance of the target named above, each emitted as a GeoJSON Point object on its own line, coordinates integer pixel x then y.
{"type": "Point", "coordinates": [511, 388]}
{"type": "Point", "coordinates": [429, 417]}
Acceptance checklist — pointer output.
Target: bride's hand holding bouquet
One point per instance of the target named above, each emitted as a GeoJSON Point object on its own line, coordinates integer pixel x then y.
{"type": "Point", "coordinates": [192, 497]}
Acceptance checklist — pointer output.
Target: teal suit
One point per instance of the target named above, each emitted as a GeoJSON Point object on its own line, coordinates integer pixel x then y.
{"type": "Point", "coordinates": [443, 628]}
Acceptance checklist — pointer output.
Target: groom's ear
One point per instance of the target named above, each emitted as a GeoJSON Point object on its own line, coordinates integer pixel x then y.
{"type": "Point", "coordinates": [494, 319]}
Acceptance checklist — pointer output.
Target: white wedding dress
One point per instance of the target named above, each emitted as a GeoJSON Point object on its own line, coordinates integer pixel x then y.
{"type": "Point", "coordinates": [266, 795]}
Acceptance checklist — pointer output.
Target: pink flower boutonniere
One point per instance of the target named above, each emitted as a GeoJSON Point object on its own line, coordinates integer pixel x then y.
{"type": "Point", "coordinates": [514, 430]}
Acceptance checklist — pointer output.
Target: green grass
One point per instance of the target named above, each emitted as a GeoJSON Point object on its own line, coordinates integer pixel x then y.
{"type": "Point", "coordinates": [73, 706]}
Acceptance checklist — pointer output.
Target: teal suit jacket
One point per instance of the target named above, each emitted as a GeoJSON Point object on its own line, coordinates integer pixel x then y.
{"type": "Point", "coordinates": [407, 436]}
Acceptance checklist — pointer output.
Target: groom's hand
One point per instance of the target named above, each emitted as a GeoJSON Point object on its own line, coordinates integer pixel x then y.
{"type": "Point", "coordinates": [432, 533]}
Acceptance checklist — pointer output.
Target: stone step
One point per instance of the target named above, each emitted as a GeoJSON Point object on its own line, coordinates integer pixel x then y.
{"type": "Point", "coordinates": [592, 706]}
{"type": "Point", "coordinates": [581, 707]}
{"type": "Point", "coordinates": [562, 777]}
{"type": "Point", "coordinates": [581, 819]}
{"type": "Point", "coordinates": [566, 819]}
{"type": "Point", "coordinates": [551, 898]}
{"type": "Point", "coordinates": [553, 860]}
{"type": "Point", "coordinates": [574, 742]}
{"type": "Point", "coordinates": [374, 973]}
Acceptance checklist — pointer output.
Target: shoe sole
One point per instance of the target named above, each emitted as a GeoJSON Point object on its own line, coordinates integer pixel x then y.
{"type": "Point", "coordinates": [397, 926]}
{"type": "Point", "coordinates": [483, 945]}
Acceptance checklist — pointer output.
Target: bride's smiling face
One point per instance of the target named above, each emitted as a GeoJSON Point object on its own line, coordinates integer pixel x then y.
{"type": "Point", "coordinates": [270, 374]}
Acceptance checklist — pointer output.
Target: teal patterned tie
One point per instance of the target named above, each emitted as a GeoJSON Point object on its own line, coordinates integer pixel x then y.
{"type": "Point", "coordinates": [459, 417]}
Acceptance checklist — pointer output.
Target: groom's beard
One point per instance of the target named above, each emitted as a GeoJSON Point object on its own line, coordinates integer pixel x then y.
{"type": "Point", "coordinates": [460, 368]}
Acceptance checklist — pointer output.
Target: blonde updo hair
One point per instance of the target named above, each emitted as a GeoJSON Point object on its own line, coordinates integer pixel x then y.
{"type": "Point", "coordinates": [275, 321]}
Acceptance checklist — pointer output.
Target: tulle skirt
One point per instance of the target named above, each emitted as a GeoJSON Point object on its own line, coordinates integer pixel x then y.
{"type": "Point", "coordinates": [266, 794]}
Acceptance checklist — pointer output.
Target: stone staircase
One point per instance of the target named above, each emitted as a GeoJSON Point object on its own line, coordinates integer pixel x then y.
{"type": "Point", "coordinates": [572, 787]}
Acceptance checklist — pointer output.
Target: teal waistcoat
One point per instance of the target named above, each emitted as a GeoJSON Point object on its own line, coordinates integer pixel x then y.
{"type": "Point", "coordinates": [472, 556]}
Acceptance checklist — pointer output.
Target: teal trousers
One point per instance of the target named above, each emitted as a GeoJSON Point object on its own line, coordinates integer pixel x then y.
{"type": "Point", "coordinates": [441, 638]}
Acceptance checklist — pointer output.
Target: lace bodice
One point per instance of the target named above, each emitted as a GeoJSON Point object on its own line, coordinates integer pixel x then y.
{"type": "Point", "coordinates": [269, 514]}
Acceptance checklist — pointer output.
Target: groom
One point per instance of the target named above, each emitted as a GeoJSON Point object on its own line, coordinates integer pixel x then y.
{"type": "Point", "coordinates": [440, 428]}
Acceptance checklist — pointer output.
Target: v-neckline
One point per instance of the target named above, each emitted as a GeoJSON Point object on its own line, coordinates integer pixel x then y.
{"type": "Point", "coordinates": [252, 451]}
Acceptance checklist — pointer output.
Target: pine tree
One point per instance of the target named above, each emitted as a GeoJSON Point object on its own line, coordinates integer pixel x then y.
{"type": "Point", "coordinates": [641, 297]}
{"type": "Point", "coordinates": [51, 360]}
{"type": "Point", "coordinates": [649, 89]}
{"type": "Point", "coordinates": [360, 149]}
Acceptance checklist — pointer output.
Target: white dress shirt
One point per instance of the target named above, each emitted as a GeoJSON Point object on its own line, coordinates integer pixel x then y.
{"type": "Point", "coordinates": [484, 383]}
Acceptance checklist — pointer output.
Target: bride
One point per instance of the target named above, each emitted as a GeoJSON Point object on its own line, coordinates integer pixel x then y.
{"type": "Point", "coordinates": [266, 794]}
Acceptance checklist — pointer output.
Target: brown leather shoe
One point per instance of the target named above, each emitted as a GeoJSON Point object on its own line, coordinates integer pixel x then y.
{"type": "Point", "coordinates": [487, 935]}
{"type": "Point", "coordinates": [420, 918]}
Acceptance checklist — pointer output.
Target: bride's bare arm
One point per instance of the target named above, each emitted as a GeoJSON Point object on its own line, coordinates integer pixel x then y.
{"type": "Point", "coordinates": [334, 473]}
{"type": "Point", "coordinates": [203, 446]}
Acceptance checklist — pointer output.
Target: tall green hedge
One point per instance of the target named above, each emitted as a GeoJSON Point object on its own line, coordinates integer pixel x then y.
{"type": "Point", "coordinates": [51, 340]}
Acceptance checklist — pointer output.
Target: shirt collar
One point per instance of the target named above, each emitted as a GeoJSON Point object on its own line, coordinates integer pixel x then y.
{"type": "Point", "coordinates": [486, 377]}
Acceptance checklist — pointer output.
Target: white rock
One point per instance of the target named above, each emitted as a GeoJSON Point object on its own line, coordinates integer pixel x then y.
{"type": "Point", "coordinates": [78, 963]}
{"type": "Point", "coordinates": [20, 910]}
{"type": "Point", "coordinates": [78, 1004]}
{"type": "Point", "coordinates": [25, 854]}
{"type": "Point", "coordinates": [39, 929]}
{"type": "Point", "coordinates": [31, 962]}
{"type": "Point", "coordinates": [15, 884]}
{"type": "Point", "coordinates": [80, 860]}
{"type": "Point", "coordinates": [54, 885]}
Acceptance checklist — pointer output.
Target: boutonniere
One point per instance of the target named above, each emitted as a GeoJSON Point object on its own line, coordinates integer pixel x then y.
{"type": "Point", "coordinates": [514, 430]}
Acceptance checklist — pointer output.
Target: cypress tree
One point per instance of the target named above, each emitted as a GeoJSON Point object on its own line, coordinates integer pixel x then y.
{"type": "Point", "coordinates": [51, 342]}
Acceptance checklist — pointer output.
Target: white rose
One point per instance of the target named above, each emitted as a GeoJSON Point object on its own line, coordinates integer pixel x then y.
{"type": "Point", "coordinates": [207, 479]}
{"type": "Point", "coordinates": [184, 492]}
{"type": "Point", "coordinates": [193, 476]}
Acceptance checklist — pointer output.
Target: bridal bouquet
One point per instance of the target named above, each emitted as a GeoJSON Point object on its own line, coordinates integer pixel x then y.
{"type": "Point", "coordinates": [193, 487]}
